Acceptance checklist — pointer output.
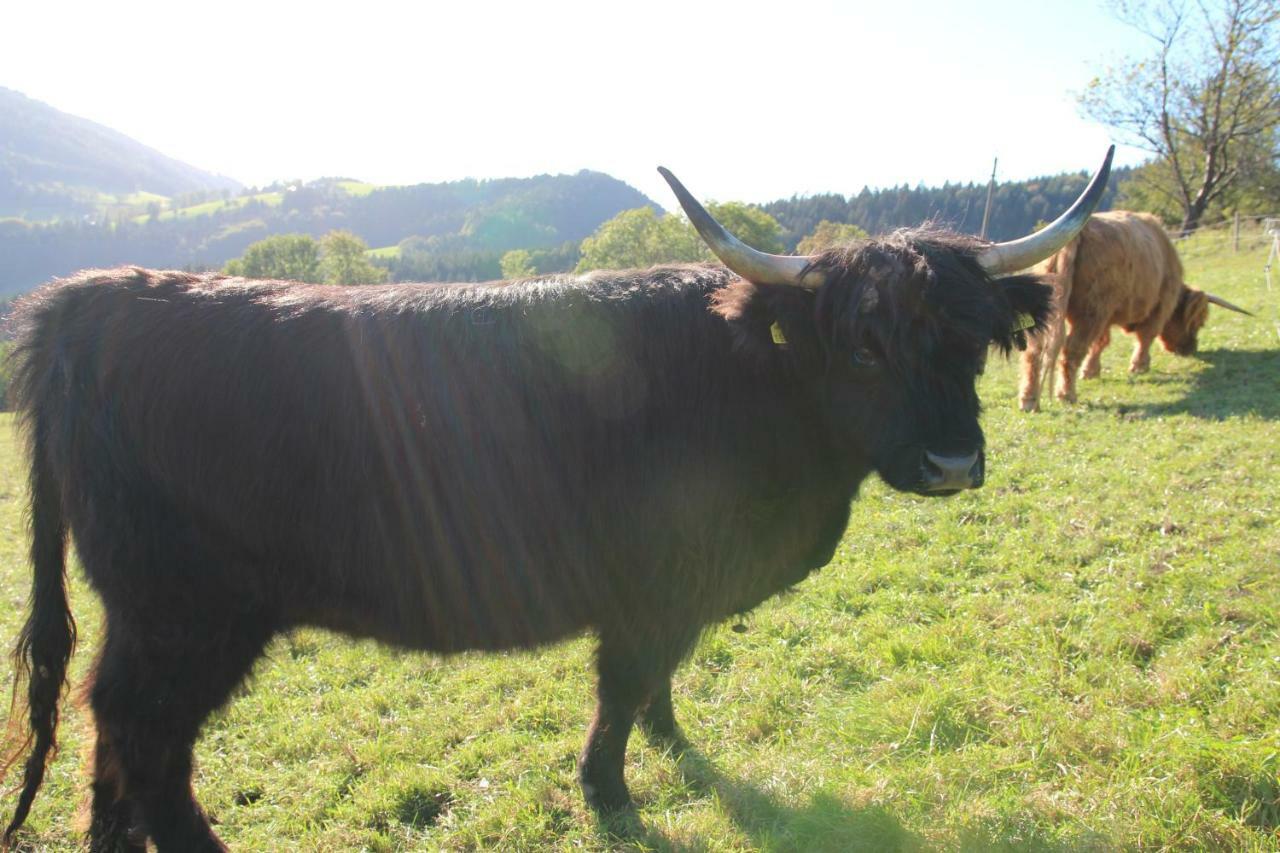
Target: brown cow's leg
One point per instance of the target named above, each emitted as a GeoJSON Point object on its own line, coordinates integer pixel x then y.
{"type": "Point", "coordinates": [1141, 361]}
{"type": "Point", "coordinates": [1029, 386]}
{"type": "Point", "coordinates": [153, 688]}
{"type": "Point", "coordinates": [1079, 340]}
{"type": "Point", "coordinates": [630, 677]}
{"type": "Point", "coordinates": [1093, 363]}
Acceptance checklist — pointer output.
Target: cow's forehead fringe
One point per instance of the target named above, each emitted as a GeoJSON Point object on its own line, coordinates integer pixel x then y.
{"type": "Point", "coordinates": [927, 279]}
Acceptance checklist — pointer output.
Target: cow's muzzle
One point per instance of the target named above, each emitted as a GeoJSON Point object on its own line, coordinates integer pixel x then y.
{"type": "Point", "coordinates": [946, 475]}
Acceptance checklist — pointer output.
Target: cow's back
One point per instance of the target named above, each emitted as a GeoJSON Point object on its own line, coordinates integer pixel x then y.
{"type": "Point", "coordinates": [1126, 271]}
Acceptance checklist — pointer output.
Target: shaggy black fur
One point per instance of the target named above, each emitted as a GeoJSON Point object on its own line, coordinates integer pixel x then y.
{"type": "Point", "coordinates": [459, 467]}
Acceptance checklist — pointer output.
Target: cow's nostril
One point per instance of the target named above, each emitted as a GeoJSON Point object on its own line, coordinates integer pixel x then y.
{"type": "Point", "coordinates": [949, 473]}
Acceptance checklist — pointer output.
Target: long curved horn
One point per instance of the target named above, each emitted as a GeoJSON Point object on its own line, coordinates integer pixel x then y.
{"type": "Point", "coordinates": [753, 265]}
{"type": "Point", "coordinates": [1218, 300]}
{"type": "Point", "coordinates": [1034, 248]}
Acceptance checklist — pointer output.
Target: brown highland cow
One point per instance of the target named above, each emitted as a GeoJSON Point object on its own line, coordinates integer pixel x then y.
{"type": "Point", "coordinates": [1121, 270]}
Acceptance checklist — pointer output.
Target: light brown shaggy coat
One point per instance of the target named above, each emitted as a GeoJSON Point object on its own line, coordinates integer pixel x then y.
{"type": "Point", "coordinates": [1121, 270]}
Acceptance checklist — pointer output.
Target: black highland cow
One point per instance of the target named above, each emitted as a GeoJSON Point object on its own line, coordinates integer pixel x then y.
{"type": "Point", "coordinates": [471, 467]}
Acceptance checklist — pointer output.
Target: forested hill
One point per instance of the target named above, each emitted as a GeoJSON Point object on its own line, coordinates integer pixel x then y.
{"type": "Point", "coordinates": [55, 165]}
{"type": "Point", "coordinates": [1015, 211]}
{"type": "Point", "coordinates": [462, 227]}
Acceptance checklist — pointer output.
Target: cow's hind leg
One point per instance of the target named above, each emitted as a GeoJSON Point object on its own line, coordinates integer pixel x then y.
{"type": "Point", "coordinates": [658, 720]}
{"type": "Point", "coordinates": [1032, 367]}
{"type": "Point", "coordinates": [115, 826]}
{"type": "Point", "coordinates": [156, 682]}
{"type": "Point", "coordinates": [632, 676]}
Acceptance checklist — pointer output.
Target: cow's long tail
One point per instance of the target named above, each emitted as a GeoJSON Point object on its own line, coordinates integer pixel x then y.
{"type": "Point", "coordinates": [49, 635]}
{"type": "Point", "coordinates": [1063, 268]}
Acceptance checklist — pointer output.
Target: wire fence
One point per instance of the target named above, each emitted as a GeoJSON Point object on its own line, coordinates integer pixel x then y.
{"type": "Point", "coordinates": [1241, 235]}
{"type": "Point", "coordinates": [1271, 227]}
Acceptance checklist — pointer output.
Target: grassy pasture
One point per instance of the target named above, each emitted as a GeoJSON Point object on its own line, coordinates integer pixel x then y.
{"type": "Point", "coordinates": [271, 199]}
{"type": "Point", "coordinates": [357, 188]}
{"type": "Point", "coordinates": [1082, 655]}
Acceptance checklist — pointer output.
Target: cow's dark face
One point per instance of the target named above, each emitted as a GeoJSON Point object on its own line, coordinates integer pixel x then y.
{"type": "Point", "coordinates": [1183, 326]}
{"type": "Point", "coordinates": [907, 323]}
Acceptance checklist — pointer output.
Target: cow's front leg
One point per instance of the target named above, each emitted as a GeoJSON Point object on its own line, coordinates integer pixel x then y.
{"type": "Point", "coordinates": [1079, 340]}
{"type": "Point", "coordinates": [632, 676]}
{"type": "Point", "coordinates": [1141, 361]}
{"type": "Point", "coordinates": [620, 691]}
{"type": "Point", "coordinates": [1093, 362]}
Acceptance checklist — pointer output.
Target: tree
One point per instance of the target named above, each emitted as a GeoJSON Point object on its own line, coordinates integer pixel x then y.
{"type": "Point", "coordinates": [827, 234]}
{"type": "Point", "coordinates": [295, 257]}
{"type": "Point", "coordinates": [1206, 102]}
{"type": "Point", "coordinates": [749, 224]}
{"type": "Point", "coordinates": [517, 263]}
{"type": "Point", "coordinates": [343, 260]}
{"type": "Point", "coordinates": [641, 238]}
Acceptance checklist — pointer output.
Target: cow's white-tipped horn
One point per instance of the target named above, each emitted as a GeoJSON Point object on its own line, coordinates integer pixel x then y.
{"type": "Point", "coordinates": [1034, 248]}
{"type": "Point", "coordinates": [1218, 300]}
{"type": "Point", "coordinates": [752, 264]}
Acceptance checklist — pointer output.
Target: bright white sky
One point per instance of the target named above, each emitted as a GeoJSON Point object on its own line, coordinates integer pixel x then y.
{"type": "Point", "coordinates": [742, 100]}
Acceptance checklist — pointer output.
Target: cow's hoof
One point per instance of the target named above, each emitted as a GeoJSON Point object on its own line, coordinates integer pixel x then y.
{"type": "Point", "coordinates": [624, 825]}
{"type": "Point", "coordinates": [607, 798]}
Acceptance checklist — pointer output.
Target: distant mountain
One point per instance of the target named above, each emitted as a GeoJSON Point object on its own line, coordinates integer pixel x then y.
{"type": "Point", "coordinates": [56, 165]}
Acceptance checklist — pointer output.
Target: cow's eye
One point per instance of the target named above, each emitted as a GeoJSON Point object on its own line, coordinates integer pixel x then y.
{"type": "Point", "coordinates": [864, 357]}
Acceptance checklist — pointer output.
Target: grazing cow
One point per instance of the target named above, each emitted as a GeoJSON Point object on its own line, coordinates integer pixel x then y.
{"type": "Point", "coordinates": [472, 467]}
{"type": "Point", "coordinates": [1121, 270]}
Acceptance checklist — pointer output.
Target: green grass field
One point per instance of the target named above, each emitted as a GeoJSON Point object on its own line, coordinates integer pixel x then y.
{"type": "Point", "coordinates": [271, 199]}
{"type": "Point", "coordinates": [1083, 655]}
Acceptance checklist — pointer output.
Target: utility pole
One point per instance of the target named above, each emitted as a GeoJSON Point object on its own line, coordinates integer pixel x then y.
{"type": "Point", "coordinates": [991, 188]}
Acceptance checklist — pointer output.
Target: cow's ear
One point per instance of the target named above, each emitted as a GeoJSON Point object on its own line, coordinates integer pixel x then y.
{"type": "Point", "coordinates": [1030, 302]}
{"type": "Point", "coordinates": [746, 314]}
{"type": "Point", "coordinates": [767, 320]}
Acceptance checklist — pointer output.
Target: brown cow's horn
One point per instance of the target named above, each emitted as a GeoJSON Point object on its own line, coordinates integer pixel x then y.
{"type": "Point", "coordinates": [1034, 248]}
{"type": "Point", "coordinates": [1218, 300]}
{"type": "Point", "coordinates": [753, 265]}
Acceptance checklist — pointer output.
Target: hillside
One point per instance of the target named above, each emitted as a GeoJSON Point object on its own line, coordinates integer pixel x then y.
{"type": "Point", "coordinates": [55, 165]}
{"type": "Point", "coordinates": [475, 221]}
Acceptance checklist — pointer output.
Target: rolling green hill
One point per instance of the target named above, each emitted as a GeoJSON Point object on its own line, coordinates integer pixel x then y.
{"type": "Point", "coordinates": [472, 220]}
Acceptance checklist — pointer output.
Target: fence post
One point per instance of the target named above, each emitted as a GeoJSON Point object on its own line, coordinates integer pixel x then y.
{"type": "Point", "coordinates": [1235, 234]}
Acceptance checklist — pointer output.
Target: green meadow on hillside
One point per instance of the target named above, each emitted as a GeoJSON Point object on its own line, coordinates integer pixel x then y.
{"type": "Point", "coordinates": [1084, 654]}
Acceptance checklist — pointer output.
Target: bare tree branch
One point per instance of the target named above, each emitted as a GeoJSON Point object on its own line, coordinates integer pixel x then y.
{"type": "Point", "coordinates": [1204, 99]}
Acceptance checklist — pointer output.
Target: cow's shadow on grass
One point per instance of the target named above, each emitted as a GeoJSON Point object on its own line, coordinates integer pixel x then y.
{"type": "Point", "coordinates": [1235, 383]}
{"type": "Point", "coordinates": [825, 823]}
